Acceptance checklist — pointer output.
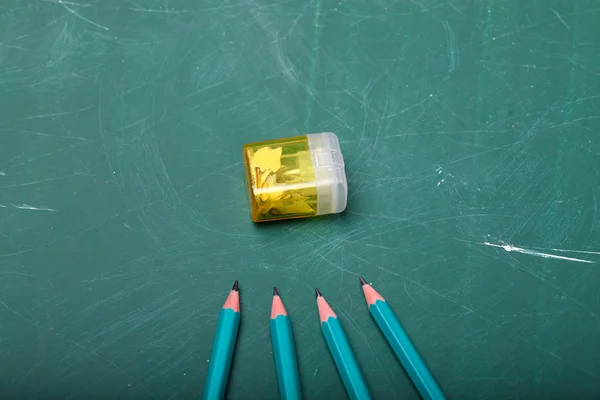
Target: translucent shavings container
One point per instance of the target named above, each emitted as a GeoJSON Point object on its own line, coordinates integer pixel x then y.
{"type": "Point", "coordinates": [295, 177]}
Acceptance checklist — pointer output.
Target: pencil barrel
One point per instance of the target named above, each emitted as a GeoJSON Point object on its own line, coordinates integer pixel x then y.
{"type": "Point", "coordinates": [221, 355]}
{"type": "Point", "coordinates": [344, 359]}
{"type": "Point", "coordinates": [405, 351]}
{"type": "Point", "coordinates": [284, 353]}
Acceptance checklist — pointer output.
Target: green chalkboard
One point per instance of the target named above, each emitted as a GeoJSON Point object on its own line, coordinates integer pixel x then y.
{"type": "Point", "coordinates": [471, 135]}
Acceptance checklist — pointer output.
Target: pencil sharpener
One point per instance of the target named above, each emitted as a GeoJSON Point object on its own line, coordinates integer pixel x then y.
{"type": "Point", "coordinates": [295, 177]}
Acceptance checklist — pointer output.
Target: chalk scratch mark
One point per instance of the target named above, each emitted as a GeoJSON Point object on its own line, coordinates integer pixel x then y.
{"type": "Point", "coordinates": [11, 160]}
{"type": "Point", "coordinates": [452, 47]}
{"type": "Point", "coordinates": [562, 21]}
{"type": "Point", "coordinates": [509, 248]}
{"type": "Point", "coordinates": [37, 325]}
{"type": "Point", "coordinates": [84, 18]}
{"type": "Point", "coordinates": [570, 251]}
{"type": "Point", "coordinates": [166, 10]}
{"type": "Point", "coordinates": [32, 208]}
{"type": "Point", "coordinates": [27, 132]}
{"type": "Point", "coordinates": [49, 115]}
{"type": "Point", "coordinates": [40, 181]}
{"type": "Point", "coordinates": [67, 2]}
{"type": "Point", "coordinates": [310, 92]}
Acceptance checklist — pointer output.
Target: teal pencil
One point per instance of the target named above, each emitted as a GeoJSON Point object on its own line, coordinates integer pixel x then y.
{"type": "Point", "coordinates": [401, 344]}
{"type": "Point", "coordinates": [341, 351]}
{"type": "Point", "coordinates": [284, 351]}
{"type": "Point", "coordinates": [222, 348]}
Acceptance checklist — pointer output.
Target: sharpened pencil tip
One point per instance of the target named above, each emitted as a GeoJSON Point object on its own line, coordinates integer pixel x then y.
{"type": "Point", "coordinates": [275, 291]}
{"type": "Point", "coordinates": [235, 286]}
{"type": "Point", "coordinates": [318, 293]}
{"type": "Point", "coordinates": [362, 281]}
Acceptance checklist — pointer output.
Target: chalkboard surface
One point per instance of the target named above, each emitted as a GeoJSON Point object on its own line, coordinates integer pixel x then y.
{"type": "Point", "coordinates": [471, 134]}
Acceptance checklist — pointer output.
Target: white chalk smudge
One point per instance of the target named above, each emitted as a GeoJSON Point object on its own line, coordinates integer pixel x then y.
{"type": "Point", "coordinates": [447, 175]}
{"type": "Point", "coordinates": [509, 248]}
{"type": "Point", "coordinates": [452, 47]}
{"type": "Point", "coordinates": [32, 208]}
{"type": "Point", "coordinates": [571, 251]}
{"type": "Point", "coordinates": [2, 173]}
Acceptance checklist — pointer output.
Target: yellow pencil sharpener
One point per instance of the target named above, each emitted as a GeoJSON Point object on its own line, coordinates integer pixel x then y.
{"type": "Point", "coordinates": [295, 177]}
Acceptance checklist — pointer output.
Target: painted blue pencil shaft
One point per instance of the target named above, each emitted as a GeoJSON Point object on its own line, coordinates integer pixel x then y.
{"type": "Point", "coordinates": [344, 359]}
{"type": "Point", "coordinates": [405, 351]}
{"type": "Point", "coordinates": [221, 355]}
{"type": "Point", "coordinates": [285, 358]}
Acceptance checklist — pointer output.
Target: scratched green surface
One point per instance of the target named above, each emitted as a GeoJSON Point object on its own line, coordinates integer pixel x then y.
{"type": "Point", "coordinates": [471, 136]}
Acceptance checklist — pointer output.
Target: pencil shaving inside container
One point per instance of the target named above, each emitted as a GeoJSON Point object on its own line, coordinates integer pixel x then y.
{"type": "Point", "coordinates": [295, 177]}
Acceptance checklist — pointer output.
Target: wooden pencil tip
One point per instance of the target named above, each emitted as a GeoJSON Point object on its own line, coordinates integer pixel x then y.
{"type": "Point", "coordinates": [235, 286]}
{"type": "Point", "coordinates": [275, 291]}
{"type": "Point", "coordinates": [318, 293]}
{"type": "Point", "coordinates": [362, 281]}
